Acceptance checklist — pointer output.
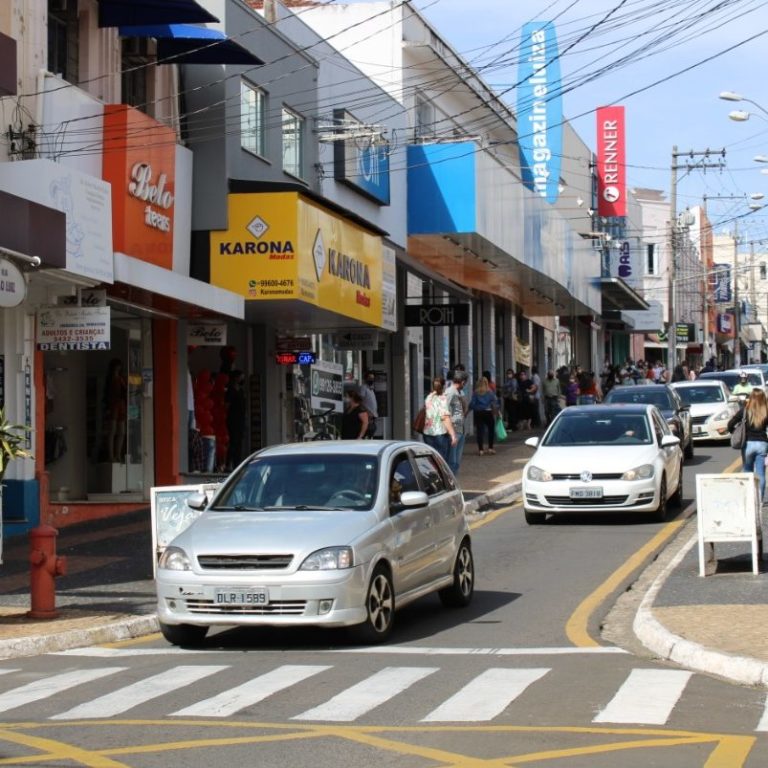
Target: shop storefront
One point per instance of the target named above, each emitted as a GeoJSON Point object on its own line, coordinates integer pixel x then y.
{"type": "Point", "coordinates": [314, 277]}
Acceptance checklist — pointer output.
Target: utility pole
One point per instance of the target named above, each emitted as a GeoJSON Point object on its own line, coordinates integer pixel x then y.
{"type": "Point", "coordinates": [691, 163]}
{"type": "Point", "coordinates": [737, 308]}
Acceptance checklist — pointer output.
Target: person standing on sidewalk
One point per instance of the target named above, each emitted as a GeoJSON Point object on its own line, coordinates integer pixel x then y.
{"type": "Point", "coordinates": [458, 407]}
{"type": "Point", "coordinates": [511, 399]}
{"type": "Point", "coordinates": [485, 407]}
{"type": "Point", "coordinates": [438, 427]}
{"type": "Point", "coordinates": [551, 391]}
{"type": "Point", "coordinates": [754, 414]}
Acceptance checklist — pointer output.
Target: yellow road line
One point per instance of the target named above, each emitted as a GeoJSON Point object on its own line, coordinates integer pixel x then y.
{"type": "Point", "coordinates": [60, 751]}
{"type": "Point", "coordinates": [132, 641]}
{"type": "Point", "coordinates": [577, 626]}
{"type": "Point", "coordinates": [495, 515]}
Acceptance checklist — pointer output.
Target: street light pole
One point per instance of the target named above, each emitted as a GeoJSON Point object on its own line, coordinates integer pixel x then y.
{"type": "Point", "coordinates": [737, 313]}
{"type": "Point", "coordinates": [672, 323]}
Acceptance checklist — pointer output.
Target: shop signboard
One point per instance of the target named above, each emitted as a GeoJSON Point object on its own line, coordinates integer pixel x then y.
{"type": "Point", "coordinates": [140, 164]}
{"type": "Point", "coordinates": [73, 328]}
{"type": "Point", "coordinates": [327, 381]}
{"type": "Point", "coordinates": [729, 510]}
{"type": "Point", "coordinates": [611, 166]}
{"type": "Point", "coordinates": [540, 109]}
{"type": "Point", "coordinates": [725, 324]}
{"type": "Point", "coordinates": [522, 353]}
{"type": "Point", "coordinates": [206, 334]}
{"type": "Point", "coordinates": [86, 203]}
{"type": "Point", "coordinates": [433, 315]}
{"type": "Point", "coordinates": [13, 286]}
{"type": "Point", "coordinates": [281, 246]}
{"type": "Point", "coordinates": [625, 263]}
{"type": "Point", "coordinates": [293, 344]}
{"type": "Point", "coordinates": [357, 340]}
{"type": "Point", "coordinates": [361, 161]}
{"type": "Point", "coordinates": [720, 282]}
{"type": "Point", "coordinates": [171, 515]}
{"type": "Point", "coordinates": [388, 289]}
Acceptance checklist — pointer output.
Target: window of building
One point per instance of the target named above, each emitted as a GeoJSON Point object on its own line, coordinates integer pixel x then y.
{"type": "Point", "coordinates": [424, 118]}
{"type": "Point", "coordinates": [763, 271]}
{"type": "Point", "coordinates": [136, 54]}
{"type": "Point", "coordinates": [651, 264]}
{"type": "Point", "coordinates": [63, 39]}
{"type": "Point", "coordinates": [293, 140]}
{"type": "Point", "coordinates": [252, 119]}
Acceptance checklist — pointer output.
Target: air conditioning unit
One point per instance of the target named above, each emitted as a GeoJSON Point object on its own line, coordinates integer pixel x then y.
{"type": "Point", "coordinates": [135, 46]}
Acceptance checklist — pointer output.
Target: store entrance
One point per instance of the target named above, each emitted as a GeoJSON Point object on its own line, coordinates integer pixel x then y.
{"type": "Point", "coordinates": [98, 441]}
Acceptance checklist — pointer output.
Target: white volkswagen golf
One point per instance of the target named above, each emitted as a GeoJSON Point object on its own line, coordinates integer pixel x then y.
{"type": "Point", "coordinates": [603, 458]}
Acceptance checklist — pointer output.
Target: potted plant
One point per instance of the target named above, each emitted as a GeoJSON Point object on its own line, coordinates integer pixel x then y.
{"type": "Point", "coordinates": [12, 437]}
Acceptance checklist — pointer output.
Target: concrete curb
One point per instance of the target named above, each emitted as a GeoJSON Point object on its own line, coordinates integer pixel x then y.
{"type": "Point", "coordinates": [473, 506]}
{"type": "Point", "coordinates": [671, 647]}
{"type": "Point", "coordinates": [131, 626]}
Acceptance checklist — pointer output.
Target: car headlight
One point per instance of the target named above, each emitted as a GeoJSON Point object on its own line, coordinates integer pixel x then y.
{"type": "Point", "coordinates": [330, 559]}
{"type": "Point", "coordinates": [175, 559]}
{"type": "Point", "coordinates": [538, 475]}
{"type": "Point", "coordinates": [722, 416]}
{"type": "Point", "coordinates": [639, 473]}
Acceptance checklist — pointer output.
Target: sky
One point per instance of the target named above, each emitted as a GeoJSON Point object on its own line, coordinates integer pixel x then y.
{"type": "Point", "coordinates": [684, 111]}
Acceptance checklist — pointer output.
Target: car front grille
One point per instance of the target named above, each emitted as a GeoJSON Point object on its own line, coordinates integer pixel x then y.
{"type": "Point", "coordinates": [277, 608]}
{"type": "Point", "coordinates": [596, 476]}
{"type": "Point", "coordinates": [699, 419]}
{"type": "Point", "coordinates": [244, 562]}
{"type": "Point", "coordinates": [567, 501]}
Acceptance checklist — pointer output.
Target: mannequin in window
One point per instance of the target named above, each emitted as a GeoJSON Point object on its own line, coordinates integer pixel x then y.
{"type": "Point", "coordinates": [115, 402]}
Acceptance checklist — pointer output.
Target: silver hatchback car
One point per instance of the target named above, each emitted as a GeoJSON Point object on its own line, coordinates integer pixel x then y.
{"type": "Point", "coordinates": [331, 533]}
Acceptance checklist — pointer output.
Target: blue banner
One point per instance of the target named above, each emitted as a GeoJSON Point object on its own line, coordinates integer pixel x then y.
{"type": "Point", "coordinates": [721, 284]}
{"type": "Point", "coordinates": [540, 110]}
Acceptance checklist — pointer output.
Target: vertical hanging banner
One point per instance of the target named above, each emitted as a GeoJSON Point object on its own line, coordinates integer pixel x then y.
{"type": "Point", "coordinates": [611, 169]}
{"type": "Point", "coordinates": [540, 110]}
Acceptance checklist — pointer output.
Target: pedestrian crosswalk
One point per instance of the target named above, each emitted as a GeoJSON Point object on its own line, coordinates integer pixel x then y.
{"type": "Point", "coordinates": [432, 694]}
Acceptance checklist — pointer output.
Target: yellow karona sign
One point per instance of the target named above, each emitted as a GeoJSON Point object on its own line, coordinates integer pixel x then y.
{"type": "Point", "coordinates": [282, 246]}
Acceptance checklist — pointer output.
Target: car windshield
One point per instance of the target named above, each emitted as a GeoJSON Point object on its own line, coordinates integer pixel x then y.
{"type": "Point", "coordinates": [599, 429]}
{"type": "Point", "coordinates": [303, 481]}
{"type": "Point", "coordinates": [640, 395]}
{"type": "Point", "coordinates": [732, 379]}
{"type": "Point", "coordinates": [696, 395]}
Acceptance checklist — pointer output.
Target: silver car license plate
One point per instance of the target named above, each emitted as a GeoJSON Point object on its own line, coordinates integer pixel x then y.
{"type": "Point", "coordinates": [698, 430]}
{"type": "Point", "coordinates": [241, 596]}
{"type": "Point", "coordinates": [586, 493]}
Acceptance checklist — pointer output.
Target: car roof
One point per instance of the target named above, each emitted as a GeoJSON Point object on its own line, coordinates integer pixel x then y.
{"type": "Point", "coordinates": [643, 388]}
{"type": "Point", "coordinates": [338, 447]}
{"type": "Point", "coordinates": [708, 382]}
{"type": "Point", "coordinates": [603, 410]}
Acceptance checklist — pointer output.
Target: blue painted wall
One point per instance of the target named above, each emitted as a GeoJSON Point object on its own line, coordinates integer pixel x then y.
{"type": "Point", "coordinates": [441, 188]}
{"type": "Point", "coordinates": [21, 506]}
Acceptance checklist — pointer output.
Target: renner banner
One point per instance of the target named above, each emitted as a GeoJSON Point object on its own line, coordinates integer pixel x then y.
{"type": "Point", "coordinates": [611, 170]}
{"type": "Point", "coordinates": [540, 110]}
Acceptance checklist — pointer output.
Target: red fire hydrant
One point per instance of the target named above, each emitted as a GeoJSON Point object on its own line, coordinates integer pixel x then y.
{"type": "Point", "coordinates": [46, 566]}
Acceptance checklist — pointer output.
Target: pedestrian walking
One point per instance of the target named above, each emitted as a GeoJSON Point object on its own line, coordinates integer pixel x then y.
{"type": "Point", "coordinates": [369, 402]}
{"type": "Point", "coordinates": [458, 406]}
{"type": "Point", "coordinates": [354, 421]}
{"type": "Point", "coordinates": [511, 399]}
{"type": "Point", "coordinates": [485, 407]}
{"type": "Point", "coordinates": [754, 414]}
{"type": "Point", "coordinates": [551, 391]}
{"type": "Point", "coordinates": [438, 427]}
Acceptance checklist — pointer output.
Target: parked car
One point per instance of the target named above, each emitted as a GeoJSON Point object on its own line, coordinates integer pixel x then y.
{"type": "Point", "coordinates": [711, 407]}
{"type": "Point", "coordinates": [603, 458]}
{"type": "Point", "coordinates": [666, 399]}
{"type": "Point", "coordinates": [335, 534]}
{"type": "Point", "coordinates": [755, 377]}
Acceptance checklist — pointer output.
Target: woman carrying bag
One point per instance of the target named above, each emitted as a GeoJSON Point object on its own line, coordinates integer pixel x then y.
{"type": "Point", "coordinates": [485, 407]}
{"type": "Point", "coordinates": [438, 426]}
{"type": "Point", "coordinates": [754, 443]}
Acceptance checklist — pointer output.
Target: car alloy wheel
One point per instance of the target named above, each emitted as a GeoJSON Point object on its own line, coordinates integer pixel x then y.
{"type": "Point", "coordinates": [661, 510]}
{"type": "Point", "coordinates": [380, 608]}
{"type": "Point", "coordinates": [459, 594]}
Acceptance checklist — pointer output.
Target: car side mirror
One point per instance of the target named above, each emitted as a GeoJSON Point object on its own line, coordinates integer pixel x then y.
{"type": "Point", "coordinates": [413, 499]}
{"type": "Point", "coordinates": [669, 440]}
{"type": "Point", "coordinates": [532, 442]}
{"type": "Point", "coordinates": [198, 501]}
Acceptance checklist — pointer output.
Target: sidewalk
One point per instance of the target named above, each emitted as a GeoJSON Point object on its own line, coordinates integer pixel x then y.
{"type": "Point", "coordinates": [108, 593]}
{"type": "Point", "coordinates": [715, 624]}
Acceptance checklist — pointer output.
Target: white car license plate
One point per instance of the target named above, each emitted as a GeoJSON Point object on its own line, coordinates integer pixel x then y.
{"type": "Point", "coordinates": [241, 596]}
{"type": "Point", "coordinates": [698, 430]}
{"type": "Point", "coordinates": [586, 493]}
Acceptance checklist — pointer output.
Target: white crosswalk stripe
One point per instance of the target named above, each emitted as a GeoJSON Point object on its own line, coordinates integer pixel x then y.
{"type": "Point", "coordinates": [252, 692]}
{"type": "Point", "coordinates": [123, 699]}
{"type": "Point", "coordinates": [7, 671]}
{"type": "Point", "coordinates": [762, 726]}
{"type": "Point", "coordinates": [367, 695]}
{"type": "Point", "coordinates": [647, 697]}
{"type": "Point", "coordinates": [49, 686]}
{"type": "Point", "coordinates": [485, 697]}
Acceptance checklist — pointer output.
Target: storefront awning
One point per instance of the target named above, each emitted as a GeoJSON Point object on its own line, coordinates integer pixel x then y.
{"type": "Point", "coordinates": [616, 294]}
{"type": "Point", "coordinates": [118, 13]}
{"type": "Point", "coordinates": [190, 44]}
{"type": "Point", "coordinates": [147, 285]}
